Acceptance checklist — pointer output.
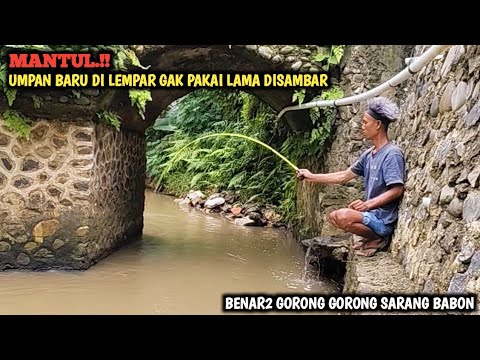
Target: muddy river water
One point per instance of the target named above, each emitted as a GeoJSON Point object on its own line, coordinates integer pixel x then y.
{"type": "Point", "coordinates": [182, 264]}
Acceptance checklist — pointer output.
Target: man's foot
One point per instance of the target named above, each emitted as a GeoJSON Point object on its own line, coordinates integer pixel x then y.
{"type": "Point", "coordinates": [372, 247]}
{"type": "Point", "coordinates": [359, 242]}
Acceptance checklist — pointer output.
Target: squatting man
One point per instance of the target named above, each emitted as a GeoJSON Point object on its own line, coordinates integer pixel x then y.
{"type": "Point", "coordinates": [383, 169]}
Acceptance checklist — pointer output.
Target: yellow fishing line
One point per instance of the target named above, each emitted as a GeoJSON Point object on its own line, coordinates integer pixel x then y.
{"type": "Point", "coordinates": [243, 137]}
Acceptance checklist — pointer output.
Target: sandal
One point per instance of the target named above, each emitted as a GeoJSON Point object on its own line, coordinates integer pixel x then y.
{"type": "Point", "coordinates": [370, 251]}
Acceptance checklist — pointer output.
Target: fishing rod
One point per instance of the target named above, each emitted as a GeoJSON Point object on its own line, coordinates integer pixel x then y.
{"type": "Point", "coordinates": [243, 137]}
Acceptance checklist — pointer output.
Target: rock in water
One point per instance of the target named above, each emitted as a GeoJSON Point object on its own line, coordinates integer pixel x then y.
{"type": "Point", "coordinates": [212, 203]}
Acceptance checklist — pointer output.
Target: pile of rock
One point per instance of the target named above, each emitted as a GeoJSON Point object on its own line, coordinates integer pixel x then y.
{"type": "Point", "coordinates": [227, 204]}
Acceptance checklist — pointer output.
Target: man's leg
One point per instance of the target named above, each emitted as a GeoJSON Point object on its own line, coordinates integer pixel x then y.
{"type": "Point", "coordinates": [351, 220]}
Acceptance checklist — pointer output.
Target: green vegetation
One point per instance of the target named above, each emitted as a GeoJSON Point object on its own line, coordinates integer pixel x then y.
{"type": "Point", "coordinates": [139, 100]}
{"type": "Point", "coordinates": [110, 119]}
{"type": "Point", "coordinates": [10, 94]}
{"type": "Point", "coordinates": [17, 123]}
{"type": "Point", "coordinates": [225, 163]}
{"type": "Point", "coordinates": [37, 101]}
{"type": "Point", "coordinates": [333, 57]}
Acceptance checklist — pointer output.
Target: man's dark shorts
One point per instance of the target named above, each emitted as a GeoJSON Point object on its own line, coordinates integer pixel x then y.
{"type": "Point", "coordinates": [376, 224]}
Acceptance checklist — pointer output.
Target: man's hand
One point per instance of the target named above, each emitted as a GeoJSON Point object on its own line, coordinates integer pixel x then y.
{"type": "Point", "coordinates": [359, 205]}
{"type": "Point", "coordinates": [304, 174]}
{"type": "Point", "coordinates": [340, 177]}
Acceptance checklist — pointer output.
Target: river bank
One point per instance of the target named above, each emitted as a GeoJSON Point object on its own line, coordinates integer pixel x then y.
{"type": "Point", "coordinates": [227, 204]}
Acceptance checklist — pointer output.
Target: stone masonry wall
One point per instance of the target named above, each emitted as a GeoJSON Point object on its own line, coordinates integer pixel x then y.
{"type": "Point", "coordinates": [294, 57]}
{"type": "Point", "coordinates": [364, 68]}
{"type": "Point", "coordinates": [45, 195]}
{"type": "Point", "coordinates": [118, 187]}
{"type": "Point", "coordinates": [48, 192]}
{"type": "Point", "coordinates": [438, 234]}
{"type": "Point", "coordinates": [437, 238]}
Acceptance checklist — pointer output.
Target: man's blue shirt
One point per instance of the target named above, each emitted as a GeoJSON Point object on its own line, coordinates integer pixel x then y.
{"type": "Point", "coordinates": [385, 168]}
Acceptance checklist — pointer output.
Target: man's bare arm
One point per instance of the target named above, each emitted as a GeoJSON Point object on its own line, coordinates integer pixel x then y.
{"type": "Point", "coordinates": [386, 198]}
{"type": "Point", "coordinates": [340, 177]}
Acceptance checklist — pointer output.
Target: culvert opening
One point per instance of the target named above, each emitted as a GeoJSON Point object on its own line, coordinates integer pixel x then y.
{"type": "Point", "coordinates": [326, 258]}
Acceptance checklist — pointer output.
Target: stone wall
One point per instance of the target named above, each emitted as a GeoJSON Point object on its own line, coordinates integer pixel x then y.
{"type": "Point", "coordinates": [437, 239]}
{"type": "Point", "coordinates": [438, 234]}
{"type": "Point", "coordinates": [293, 57]}
{"type": "Point", "coordinates": [119, 188]}
{"type": "Point", "coordinates": [48, 192]}
{"type": "Point", "coordinates": [364, 67]}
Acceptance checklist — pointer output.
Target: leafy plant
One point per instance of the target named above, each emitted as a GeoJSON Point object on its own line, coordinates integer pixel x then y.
{"type": "Point", "coordinates": [299, 95]}
{"type": "Point", "coordinates": [110, 118]}
{"type": "Point", "coordinates": [333, 57]}
{"type": "Point", "coordinates": [9, 93]}
{"type": "Point", "coordinates": [139, 100]}
{"type": "Point", "coordinates": [337, 54]}
{"type": "Point", "coordinates": [37, 101]}
{"type": "Point", "coordinates": [17, 123]}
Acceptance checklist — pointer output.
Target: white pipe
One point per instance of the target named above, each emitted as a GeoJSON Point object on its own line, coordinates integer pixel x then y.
{"type": "Point", "coordinates": [410, 60]}
{"type": "Point", "coordinates": [406, 73]}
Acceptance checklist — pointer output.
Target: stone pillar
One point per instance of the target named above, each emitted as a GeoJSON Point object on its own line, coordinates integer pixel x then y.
{"type": "Point", "coordinates": [53, 212]}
